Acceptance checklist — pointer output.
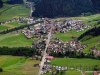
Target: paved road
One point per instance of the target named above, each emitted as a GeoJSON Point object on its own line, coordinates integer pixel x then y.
{"type": "Point", "coordinates": [44, 55]}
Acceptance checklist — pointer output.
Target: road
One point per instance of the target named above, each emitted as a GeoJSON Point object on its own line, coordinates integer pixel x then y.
{"type": "Point", "coordinates": [44, 54]}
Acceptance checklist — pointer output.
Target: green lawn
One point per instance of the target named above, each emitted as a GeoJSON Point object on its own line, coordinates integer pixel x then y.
{"type": "Point", "coordinates": [76, 62]}
{"type": "Point", "coordinates": [15, 40]}
{"type": "Point", "coordinates": [14, 65]}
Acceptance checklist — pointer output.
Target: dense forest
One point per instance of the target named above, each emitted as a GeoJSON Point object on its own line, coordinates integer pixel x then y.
{"type": "Point", "coordinates": [1, 3]}
{"type": "Point", "coordinates": [63, 8]}
{"type": "Point", "coordinates": [15, 1]}
{"type": "Point", "coordinates": [56, 8]}
{"type": "Point", "coordinates": [96, 4]}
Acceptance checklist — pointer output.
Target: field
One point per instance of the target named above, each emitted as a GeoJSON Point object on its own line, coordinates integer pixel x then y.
{"type": "Point", "coordinates": [14, 40]}
{"type": "Point", "coordinates": [12, 11]}
{"type": "Point", "coordinates": [95, 41]}
{"type": "Point", "coordinates": [68, 35]}
{"type": "Point", "coordinates": [14, 65]}
{"type": "Point", "coordinates": [10, 25]}
{"type": "Point", "coordinates": [69, 73]}
{"type": "Point", "coordinates": [76, 62]}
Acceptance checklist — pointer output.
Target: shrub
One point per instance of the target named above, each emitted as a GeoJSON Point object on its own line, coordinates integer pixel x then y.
{"type": "Point", "coordinates": [1, 70]}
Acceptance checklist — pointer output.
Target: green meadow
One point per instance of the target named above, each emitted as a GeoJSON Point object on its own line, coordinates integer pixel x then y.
{"type": "Point", "coordinates": [76, 62]}
{"type": "Point", "coordinates": [16, 65]}
{"type": "Point", "coordinates": [15, 40]}
{"type": "Point", "coordinates": [13, 11]}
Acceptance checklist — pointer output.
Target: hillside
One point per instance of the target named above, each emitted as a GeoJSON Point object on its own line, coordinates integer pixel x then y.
{"type": "Point", "coordinates": [91, 38]}
{"type": "Point", "coordinates": [62, 8]}
{"type": "Point", "coordinates": [96, 4]}
{"type": "Point", "coordinates": [1, 3]}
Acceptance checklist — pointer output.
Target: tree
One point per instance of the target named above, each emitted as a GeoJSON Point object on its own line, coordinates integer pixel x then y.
{"type": "Point", "coordinates": [1, 70]}
{"type": "Point", "coordinates": [96, 68]}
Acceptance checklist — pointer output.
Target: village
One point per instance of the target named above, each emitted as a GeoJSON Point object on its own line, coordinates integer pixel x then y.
{"type": "Point", "coordinates": [56, 47]}
{"type": "Point", "coordinates": [42, 45]}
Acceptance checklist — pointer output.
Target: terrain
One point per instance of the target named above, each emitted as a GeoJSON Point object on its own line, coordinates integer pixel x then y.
{"type": "Point", "coordinates": [23, 65]}
{"type": "Point", "coordinates": [63, 8]}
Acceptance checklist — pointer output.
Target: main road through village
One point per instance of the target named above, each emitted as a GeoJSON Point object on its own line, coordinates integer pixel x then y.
{"type": "Point", "coordinates": [44, 54]}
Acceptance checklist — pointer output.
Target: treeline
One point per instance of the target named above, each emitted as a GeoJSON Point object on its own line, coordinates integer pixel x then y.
{"type": "Point", "coordinates": [29, 51]}
{"type": "Point", "coordinates": [71, 54]}
{"type": "Point", "coordinates": [20, 51]}
{"type": "Point", "coordinates": [1, 3]}
{"type": "Point", "coordinates": [15, 1]}
{"type": "Point", "coordinates": [74, 54]}
{"type": "Point", "coordinates": [90, 33]}
{"type": "Point", "coordinates": [10, 2]}
{"type": "Point", "coordinates": [62, 8]}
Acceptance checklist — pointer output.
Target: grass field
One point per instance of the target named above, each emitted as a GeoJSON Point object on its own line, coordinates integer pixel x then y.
{"type": "Point", "coordinates": [11, 11]}
{"type": "Point", "coordinates": [3, 28]}
{"type": "Point", "coordinates": [10, 25]}
{"type": "Point", "coordinates": [68, 35]}
{"type": "Point", "coordinates": [95, 41]}
{"type": "Point", "coordinates": [73, 73]}
{"type": "Point", "coordinates": [68, 73]}
{"type": "Point", "coordinates": [73, 62]}
{"type": "Point", "coordinates": [15, 40]}
{"type": "Point", "coordinates": [14, 65]}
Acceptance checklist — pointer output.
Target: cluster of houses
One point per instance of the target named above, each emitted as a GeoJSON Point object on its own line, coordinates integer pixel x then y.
{"type": "Point", "coordinates": [57, 46]}
{"type": "Point", "coordinates": [47, 67]}
{"type": "Point", "coordinates": [95, 52]}
{"type": "Point", "coordinates": [19, 19]}
{"type": "Point", "coordinates": [27, 20]}
{"type": "Point", "coordinates": [31, 31]}
{"type": "Point", "coordinates": [65, 26]}
{"type": "Point", "coordinates": [52, 69]}
{"type": "Point", "coordinates": [68, 25]}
